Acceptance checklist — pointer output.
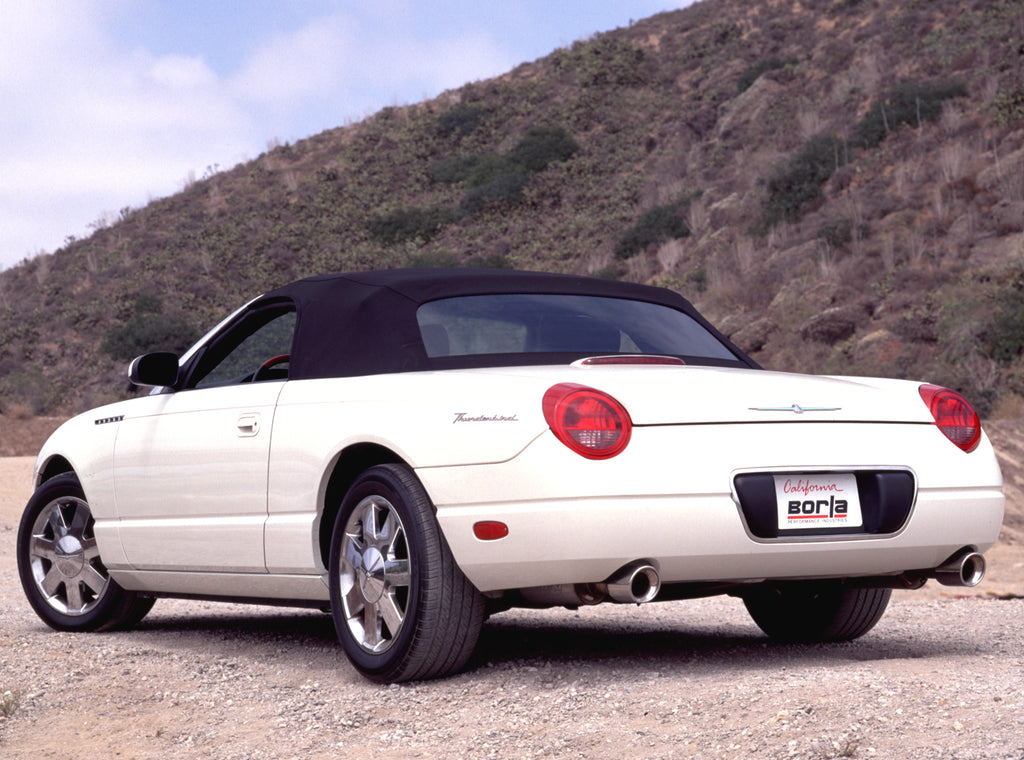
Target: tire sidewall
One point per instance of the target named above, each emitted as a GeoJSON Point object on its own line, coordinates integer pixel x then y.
{"type": "Point", "coordinates": [381, 481]}
{"type": "Point", "coordinates": [61, 486]}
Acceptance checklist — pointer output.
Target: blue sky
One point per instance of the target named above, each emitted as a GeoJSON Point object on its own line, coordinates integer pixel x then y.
{"type": "Point", "coordinates": [112, 103]}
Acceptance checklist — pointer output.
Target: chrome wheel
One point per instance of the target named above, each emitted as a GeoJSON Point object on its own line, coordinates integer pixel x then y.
{"type": "Point", "coordinates": [402, 608]}
{"type": "Point", "coordinates": [64, 560]}
{"type": "Point", "coordinates": [374, 574]}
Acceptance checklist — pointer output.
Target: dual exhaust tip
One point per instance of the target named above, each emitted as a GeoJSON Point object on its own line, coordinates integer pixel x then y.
{"type": "Point", "coordinates": [639, 582]}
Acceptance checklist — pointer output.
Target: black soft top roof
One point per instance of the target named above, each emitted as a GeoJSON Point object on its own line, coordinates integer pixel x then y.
{"type": "Point", "coordinates": [365, 323]}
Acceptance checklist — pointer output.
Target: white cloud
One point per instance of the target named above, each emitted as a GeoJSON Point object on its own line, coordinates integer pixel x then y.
{"type": "Point", "coordinates": [181, 72]}
{"type": "Point", "coordinates": [94, 120]}
{"type": "Point", "coordinates": [88, 128]}
{"type": "Point", "coordinates": [350, 68]}
{"type": "Point", "coordinates": [291, 67]}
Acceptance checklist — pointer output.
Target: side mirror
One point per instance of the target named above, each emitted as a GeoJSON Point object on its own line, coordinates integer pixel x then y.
{"type": "Point", "coordinates": [156, 369]}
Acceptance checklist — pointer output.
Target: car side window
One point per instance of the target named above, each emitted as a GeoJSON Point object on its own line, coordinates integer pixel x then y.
{"type": "Point", "coordinates": [255, 350]}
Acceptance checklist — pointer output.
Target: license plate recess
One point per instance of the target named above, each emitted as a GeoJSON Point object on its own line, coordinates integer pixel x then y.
{"type": "Point", "coordinates": [878, 502]}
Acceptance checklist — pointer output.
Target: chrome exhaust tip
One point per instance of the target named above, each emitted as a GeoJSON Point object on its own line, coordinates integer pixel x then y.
{"type": "Point", "coordinates": [965, 568]}
{"type": "Point", "coordinates": [636, 583]}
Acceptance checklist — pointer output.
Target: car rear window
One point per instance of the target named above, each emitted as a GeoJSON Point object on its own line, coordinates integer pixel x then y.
{"type": "Point", "coordinates": [562, 324]}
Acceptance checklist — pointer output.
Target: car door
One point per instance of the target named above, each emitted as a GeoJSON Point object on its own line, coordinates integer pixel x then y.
{"type": "Point", "coordinates": [191, 467]}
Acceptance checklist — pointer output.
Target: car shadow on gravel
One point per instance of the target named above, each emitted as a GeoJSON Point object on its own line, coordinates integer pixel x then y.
{"type": "Point", "coordinates": [724, 648]}
{"type": "Point", "coordinates": [256, 626]}
{"type": "Point", "coordinates": [531, 639]}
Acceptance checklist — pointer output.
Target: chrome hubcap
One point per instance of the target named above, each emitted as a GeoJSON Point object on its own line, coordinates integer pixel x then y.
{"type": "Point", "coordinates": [374, 574]}
{"type": "Point", "coordinates": [64, 558]}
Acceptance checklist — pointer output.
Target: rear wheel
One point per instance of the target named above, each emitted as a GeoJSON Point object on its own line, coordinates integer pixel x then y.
{"type": "Point", "coordinates": [60, 566]}
{"type": "Point", "coordinates": [815, 611]}
{"type": "Point", "coordinates": [402, 608]}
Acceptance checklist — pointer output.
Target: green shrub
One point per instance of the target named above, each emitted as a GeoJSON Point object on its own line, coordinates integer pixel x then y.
{"type": "Point", "coordinates": [9, 702]}
{"type": "Point", "coordinates": [409, 224]}
{"type": "Point", "coordinates": [462, 118]}
{"type": "Point", "coordinates": [610, 272]}
{"type": "Point", "coordinates": [837, 234]}
{"type": "Point", "coordinates": [800, 179]}
{"type": "Point", "coordinates": [492, 166]}
{"type": "Point", "coordinates": [499, 178]}
{"type": "Point", "coordinates": [33, 390]}
{"type": "Point", "coordinates": [149, 329]}
{"type": "Point", "coordinates": [603, 62]}
{"type": "Point", "coordinates": [699, 278]}
{"type": "Point", "coordinates": [542, 146]}
{"type": "Point", "coordinates": [1005, 333]}
{"type": "Point", "coordinates": [751, 73]}
{"type": "Point", "coordinates": [454, 169]}
{"type": "Point", "coordinates": [656, 225]}
{"type": "Point", "coordinates": [909, 103]}
{"type": "Point", "coordinates": [501, 188]}
{"type": "Point", "coordinates": [1008, 106]}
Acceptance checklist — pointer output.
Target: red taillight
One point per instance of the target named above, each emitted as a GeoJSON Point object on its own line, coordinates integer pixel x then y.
{"type": "Point", "coordinates": [953, 415]}
{"type": "Point", "coordinates": [591, 423]}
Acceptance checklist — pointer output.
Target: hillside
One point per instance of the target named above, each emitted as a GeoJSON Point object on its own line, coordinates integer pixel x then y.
{"type": "Point", "coordinates": [839, 184]}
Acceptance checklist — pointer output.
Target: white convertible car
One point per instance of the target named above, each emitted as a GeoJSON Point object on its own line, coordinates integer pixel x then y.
{"type": "Point", "coordinates": [415, 449]}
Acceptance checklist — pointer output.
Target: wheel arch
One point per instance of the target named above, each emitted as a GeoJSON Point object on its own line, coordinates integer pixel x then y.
{"type": "Point", "coordinates": [351, 461]}
{"type": "Point", "coordinates": [54, 466]}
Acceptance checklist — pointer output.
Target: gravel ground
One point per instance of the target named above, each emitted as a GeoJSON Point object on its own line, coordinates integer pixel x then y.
{"type": "Point", "coordinates": [942, 676]}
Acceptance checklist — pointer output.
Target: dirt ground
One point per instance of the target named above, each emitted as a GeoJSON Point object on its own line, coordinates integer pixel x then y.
{"type": "Point", "coordinates": [941, 677]}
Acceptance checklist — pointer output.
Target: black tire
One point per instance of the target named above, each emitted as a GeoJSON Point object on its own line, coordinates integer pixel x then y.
{"type": "Point", "coordinates": [60, 566]}
{"type": "Point", "coordinates": [816, 611]}
{"type": "Point", "coordinates": [402, 609]}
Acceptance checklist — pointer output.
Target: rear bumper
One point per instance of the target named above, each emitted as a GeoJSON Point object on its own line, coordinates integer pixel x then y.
{"type": "Point", "coordinates": [690, 539]}
{"type": "Point", "coordinates": [574, 521]}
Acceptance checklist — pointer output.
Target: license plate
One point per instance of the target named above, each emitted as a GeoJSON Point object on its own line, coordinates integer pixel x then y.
{"type": "Point", "coordinates": [817, 500]}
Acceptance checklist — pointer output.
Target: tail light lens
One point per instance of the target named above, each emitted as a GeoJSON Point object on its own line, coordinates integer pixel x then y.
{"type": "Point", "coordinates": [953, 415]}
{"type": "Point", "coordinates": [591, 423]}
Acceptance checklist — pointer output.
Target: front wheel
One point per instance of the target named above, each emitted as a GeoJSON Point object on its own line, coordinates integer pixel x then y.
{"type": "Point", "coordinates": [60, 566]}
{"type": "Point", "coordinates": [402, 608]}
{"type": "Point", "coordinates": [816, 611]}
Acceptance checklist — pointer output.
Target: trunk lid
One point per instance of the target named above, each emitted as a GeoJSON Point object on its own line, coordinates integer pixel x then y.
{"type": "Point", "coordinates": [666, 395]}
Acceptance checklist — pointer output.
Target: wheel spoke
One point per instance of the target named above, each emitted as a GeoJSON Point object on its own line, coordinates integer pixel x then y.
{"type": "Point", "coordinates": [51, 581]}
{"type": "Point", "coordinates": [79, 522]}
{"type": "Point", "coordinates": [42, 548]}
{"type": "Point", "coordinates": [93, 579]}
{"type": "Point", "coordinates": [396, 573]}
{"type": "Point", "coordinates": [74, 595]}
{"type": "Point", "coordinates": [354, 601]}
{"type": "Point", "coordinates": [371, 528]}
{"type": "Point", "coordinates": [55, 520]}
{"type": "Point", "coordinates": [352, 559]}
{"type": "Point", "coordinates": [90, 549]}
{"type": "Point", "coordinates": [390, 531]}
{"type": "Point", "coordinates": [371, 627]}
{"type": "Point", "coordinates": [391, 613]}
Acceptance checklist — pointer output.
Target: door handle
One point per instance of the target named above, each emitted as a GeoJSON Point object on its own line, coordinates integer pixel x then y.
{"type": "Point", "coordinates": [248, 425]}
